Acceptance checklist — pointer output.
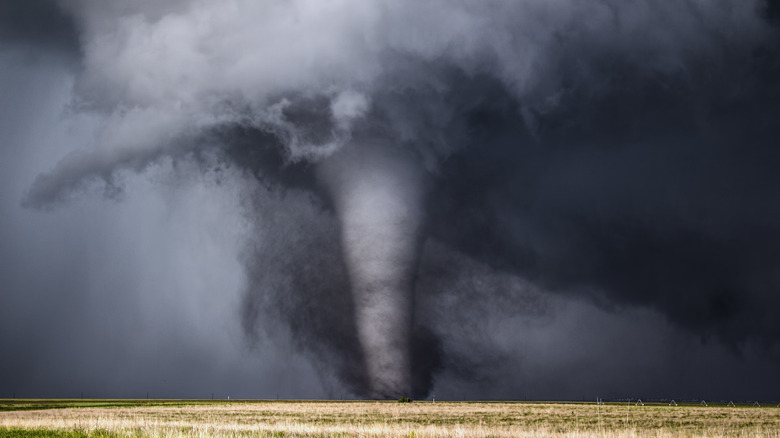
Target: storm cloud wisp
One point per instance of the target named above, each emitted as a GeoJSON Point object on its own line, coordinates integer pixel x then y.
{"type": "Point", "coordinates": [620, 151]}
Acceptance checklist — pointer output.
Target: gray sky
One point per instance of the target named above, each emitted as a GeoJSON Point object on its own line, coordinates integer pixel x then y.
{"type": "Point", "coordinates": [601, 205]}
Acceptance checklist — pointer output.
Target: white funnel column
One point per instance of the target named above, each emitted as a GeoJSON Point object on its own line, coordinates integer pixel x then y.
{"type": "Point", "coordinates": [377, 190]}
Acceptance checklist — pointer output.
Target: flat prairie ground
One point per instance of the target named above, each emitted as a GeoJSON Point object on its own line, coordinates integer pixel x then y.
{"type": "Point", "coordinates": [94, 418]}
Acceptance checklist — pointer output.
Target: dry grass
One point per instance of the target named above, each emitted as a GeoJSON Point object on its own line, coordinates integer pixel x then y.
{"type": "Point", "coordinates": [421, 419]}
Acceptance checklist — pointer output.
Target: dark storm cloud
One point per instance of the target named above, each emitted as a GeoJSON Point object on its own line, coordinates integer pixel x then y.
{"type": "Point", "coordinates": [625, 152]}
{"type": "Point", "coordinates": [101, 298]}
{"type": "Point", "coordinates": [38, 22]}
{"type": "Point", "coordinates": [772, 10]}
{"type": "Point", "coordinates": [658, 190]}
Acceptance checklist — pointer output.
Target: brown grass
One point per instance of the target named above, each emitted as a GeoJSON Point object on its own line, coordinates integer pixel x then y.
{"type": "Point", "coordinates": [420, 419]}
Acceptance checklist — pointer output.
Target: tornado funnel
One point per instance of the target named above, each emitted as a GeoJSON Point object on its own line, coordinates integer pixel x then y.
{"type": "Point", "coordinates": [377, 190]}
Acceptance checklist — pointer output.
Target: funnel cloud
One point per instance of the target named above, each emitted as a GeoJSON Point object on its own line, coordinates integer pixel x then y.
{"type": "Point", "coordinates": [467, 198]}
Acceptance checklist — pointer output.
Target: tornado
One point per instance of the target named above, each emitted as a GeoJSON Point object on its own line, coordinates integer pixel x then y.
{"type": "Point", "coordinates": [377, 190]}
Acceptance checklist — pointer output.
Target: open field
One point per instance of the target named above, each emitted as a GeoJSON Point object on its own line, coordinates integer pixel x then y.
{"type": "Point", "coordinates": [185, 418]}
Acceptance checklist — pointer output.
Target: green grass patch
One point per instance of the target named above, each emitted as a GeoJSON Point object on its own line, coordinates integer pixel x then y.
{"type": "Point", "coordinates": [45, 433]}
{"type": "Point", "coordinates": [37, 404]}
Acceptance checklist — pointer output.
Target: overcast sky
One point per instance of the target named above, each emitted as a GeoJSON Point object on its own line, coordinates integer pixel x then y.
{"type": "Point", "coordinates": [589, 191]}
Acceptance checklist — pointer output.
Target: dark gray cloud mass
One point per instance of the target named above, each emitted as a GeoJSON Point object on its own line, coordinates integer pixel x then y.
{"type": "Point", "coordinates": [40, 23]}
{"type": "Point", "coordinates": [524, 199]}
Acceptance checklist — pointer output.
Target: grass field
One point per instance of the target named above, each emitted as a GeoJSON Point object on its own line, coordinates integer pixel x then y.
{"type": "Point", "coordinates": [194, 418]}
